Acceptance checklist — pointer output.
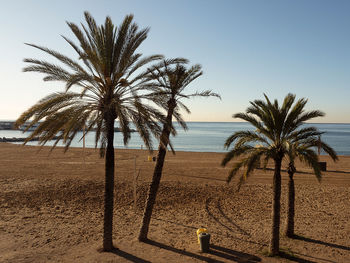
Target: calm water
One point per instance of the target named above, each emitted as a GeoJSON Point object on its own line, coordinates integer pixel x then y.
{"type": "Point", "coordinates": [210, 137]}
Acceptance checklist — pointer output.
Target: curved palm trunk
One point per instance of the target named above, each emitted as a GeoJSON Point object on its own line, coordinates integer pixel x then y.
{"type": "Point", "coordinates": [291, 206]}
{"type": "Point", "coordinates": [109, 188]}
{"type": "Point", "coordinates": [157, 174]}
{"type": "Point", "coordinates": [276, 209]}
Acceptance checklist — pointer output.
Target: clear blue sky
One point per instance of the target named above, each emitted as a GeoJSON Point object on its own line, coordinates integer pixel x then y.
{"type": "Point", "coordinates": [246, 48]}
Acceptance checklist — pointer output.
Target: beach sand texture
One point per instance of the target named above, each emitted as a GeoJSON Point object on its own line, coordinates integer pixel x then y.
{"type": "Point", "coordinates": [51, 209]}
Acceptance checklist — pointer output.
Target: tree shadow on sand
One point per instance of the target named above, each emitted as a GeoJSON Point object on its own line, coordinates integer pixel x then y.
{"type": "Point", "coordinates": [218, 251]}
{"type": "Point", "coordinates": [305, 172]}
{"type": "Point", "coordinates": [241, 230]}
{"type": "Point", "coordinates": [217, 219]}
{"type": "Point", "coordinates": [315, 241]}
{"type": "Point", "coordinates": [294, 258]}
{"type": "Point", "coordinates": [202, 177]}
{"type": "Point", "coordinates": [318, 259]}
{"type": "Point", "coordinates": [233, 254]}
{"type": "Point", "coordinates": [235, 228]}
{"type": "Point", "coordinates": [174, 223]}
{"type": "Point", "coordinates": [128, 256]}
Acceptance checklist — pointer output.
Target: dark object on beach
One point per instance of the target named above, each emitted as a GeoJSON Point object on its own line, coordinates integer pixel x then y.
{"type": "Point", "coordinates": [323, 166]}
{"type": "Point", "coordinates": [154, 158]}
{"type": "Point", "coordinates": [14, 139]}
{"type": "Point", "coordinates": [6, 125]}
{"type": "Point", "coordinates": [204, 240]}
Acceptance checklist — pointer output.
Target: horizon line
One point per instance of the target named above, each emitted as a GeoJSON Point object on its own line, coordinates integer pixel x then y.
{"type": "Point", "coordinates": [224, 122]}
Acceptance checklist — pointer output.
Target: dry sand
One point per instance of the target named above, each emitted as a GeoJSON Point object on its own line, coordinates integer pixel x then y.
{"type": "Point", "coordinates": [51, 209]}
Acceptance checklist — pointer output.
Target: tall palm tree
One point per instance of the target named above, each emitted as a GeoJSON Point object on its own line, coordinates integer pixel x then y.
{"type": "Point", "coordinates": [167, 85]}
{"type": "Point", "coordinates": [304, 149]}
{"type": "Point", "coordinates": [275, 126]}
{"type": "Point", "coordinates": [107, 76]}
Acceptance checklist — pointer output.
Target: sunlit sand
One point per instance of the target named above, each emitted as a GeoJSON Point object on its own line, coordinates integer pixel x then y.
{"type": "Point", "coordinates": [52, 209]}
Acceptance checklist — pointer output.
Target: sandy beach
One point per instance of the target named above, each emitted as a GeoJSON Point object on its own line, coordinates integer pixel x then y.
{"type": "Point", "coordinates": [51, 209]}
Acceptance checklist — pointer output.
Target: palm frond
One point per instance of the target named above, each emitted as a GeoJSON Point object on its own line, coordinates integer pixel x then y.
{"type": "Point", "coordinates": [206, 93]}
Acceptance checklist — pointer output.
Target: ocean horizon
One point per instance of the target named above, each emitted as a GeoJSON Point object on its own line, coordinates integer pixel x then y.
{"type": "Point", "coordinates": [205, 137]}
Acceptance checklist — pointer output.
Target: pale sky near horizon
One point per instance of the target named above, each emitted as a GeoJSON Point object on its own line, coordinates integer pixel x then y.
{"type": "Point", "coordinates": [246, 48]}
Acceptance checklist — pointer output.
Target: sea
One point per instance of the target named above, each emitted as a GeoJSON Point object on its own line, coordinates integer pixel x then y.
{"type": "Point", "coordinates": [206, 137]}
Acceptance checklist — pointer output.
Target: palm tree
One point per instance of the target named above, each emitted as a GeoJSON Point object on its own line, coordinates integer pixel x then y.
{"type": "Point", "coordinates": [167, 84]}
{"type": "Point", "coordinates": [303, 148]}
{"type": "Point", "coordinates": [275, 126]}
{"type": "Point", "coordinates": [108, 76]}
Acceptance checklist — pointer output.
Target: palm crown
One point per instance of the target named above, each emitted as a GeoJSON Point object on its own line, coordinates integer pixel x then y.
{"type": "Point", "coordinates": [167, 82]}
{"type": "Point", "coordinates": [109, 78]}
{"type": "Point", "coordinates": [276, 129]}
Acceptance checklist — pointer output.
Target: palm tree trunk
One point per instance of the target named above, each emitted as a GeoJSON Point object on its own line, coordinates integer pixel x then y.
{"type": "Point", "coordinates": [109, 188]}
{"type": "Point", "coordinates": [157, 174]}
{"type": "Point", "coordinates": [276, 209]}
{"type": "Point", "coordinates": [291, 206]}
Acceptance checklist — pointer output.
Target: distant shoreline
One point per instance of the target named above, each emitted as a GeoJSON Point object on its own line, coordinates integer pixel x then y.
{"type": "Point", "coordinates": [22, 139]}
{"type": "Point", "coordinates": [10, 126]}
